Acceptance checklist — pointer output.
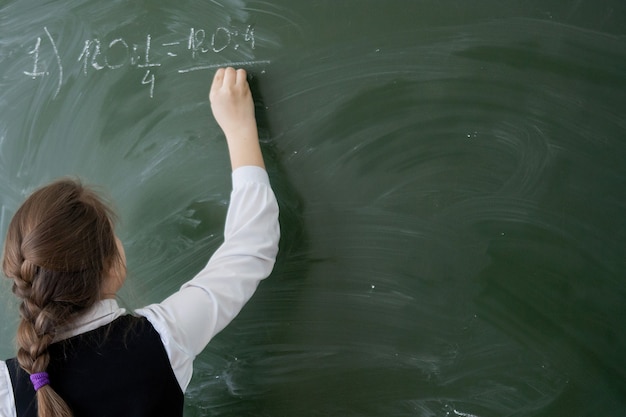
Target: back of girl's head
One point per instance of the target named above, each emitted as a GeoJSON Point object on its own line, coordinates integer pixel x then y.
{"type": "Point", "coordinates": [59, 246]}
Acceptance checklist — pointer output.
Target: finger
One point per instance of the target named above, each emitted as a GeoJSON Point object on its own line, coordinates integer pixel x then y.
{"type": "Point", "coordinates": [218, 79]}
{"type": "Point", "coordinates": [230, 76]}
{"type": "Point", "coordinates": [241, 76]}
{"type": "Point", "coordinates": [219, 76]}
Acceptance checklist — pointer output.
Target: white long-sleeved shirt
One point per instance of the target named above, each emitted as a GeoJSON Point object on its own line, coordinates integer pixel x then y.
{"type": "Point", "coordinates": [189, 318]}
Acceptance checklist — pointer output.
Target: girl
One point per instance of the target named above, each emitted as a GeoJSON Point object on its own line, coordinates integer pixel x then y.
{"type": "Point", "coordinates": [79, 354]}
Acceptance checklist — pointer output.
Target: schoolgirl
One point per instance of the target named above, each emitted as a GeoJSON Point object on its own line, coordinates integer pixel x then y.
{"type": "Point", "coordinates": [79, 353]}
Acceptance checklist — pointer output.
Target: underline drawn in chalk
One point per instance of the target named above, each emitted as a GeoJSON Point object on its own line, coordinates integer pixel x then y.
{"type": "Point", "coordinates": [461, 414]}
{"type": "Point", "coordinates": [214, 66]}
{"type": "Point", "coordinates": [99, 55]}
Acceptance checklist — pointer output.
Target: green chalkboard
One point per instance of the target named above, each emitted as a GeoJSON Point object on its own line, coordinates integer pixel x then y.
{"type": "Point", "coordinates": [451, 176]}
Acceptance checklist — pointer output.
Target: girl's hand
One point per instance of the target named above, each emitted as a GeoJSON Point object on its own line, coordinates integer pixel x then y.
{"type": "Point", "coordinates": [233, 109]}
{"type": "Point", "coordinates": [231, 102]}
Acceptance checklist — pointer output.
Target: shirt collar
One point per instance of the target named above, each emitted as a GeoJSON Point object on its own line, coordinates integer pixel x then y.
{"type": "Point", "coordinates": [100, 314]}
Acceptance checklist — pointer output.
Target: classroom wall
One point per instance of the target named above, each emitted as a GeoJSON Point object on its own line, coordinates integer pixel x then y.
{"type": "Point", "coordinates": [451, 178]}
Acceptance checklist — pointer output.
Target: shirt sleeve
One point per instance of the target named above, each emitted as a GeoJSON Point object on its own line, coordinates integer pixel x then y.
{"type": "Point", "coordinates": [188, 319]}
{"type": "Point", "coordinates": [7, 402]}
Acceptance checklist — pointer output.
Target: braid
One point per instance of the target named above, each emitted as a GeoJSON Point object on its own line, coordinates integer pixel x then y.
{"type": "Point", "coordinates": [39, 320]}
{"type": "Point", "coordinates": [59, 244]}
{"type": "Point", "coordinates": [21, 288]}
{"type": "Point", "coordinates": [33, 345]}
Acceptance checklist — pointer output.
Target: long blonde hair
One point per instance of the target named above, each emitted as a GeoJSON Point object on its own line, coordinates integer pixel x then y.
{"type": "Point", "coordinates": [59, 245]}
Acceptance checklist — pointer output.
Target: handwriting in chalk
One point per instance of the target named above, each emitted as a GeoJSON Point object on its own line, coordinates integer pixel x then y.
{"type": "Point", "coordinates": [97, 55]}
{"type": "Point", "coordinates": [35, 53]}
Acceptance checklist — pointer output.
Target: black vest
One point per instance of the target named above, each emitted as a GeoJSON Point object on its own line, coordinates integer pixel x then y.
{"type": "Point", "coordinates": [117, 370]}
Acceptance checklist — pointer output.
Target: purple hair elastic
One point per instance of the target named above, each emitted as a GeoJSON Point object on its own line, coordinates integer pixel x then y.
{"type": "Point", "coordinates": [39, 379]}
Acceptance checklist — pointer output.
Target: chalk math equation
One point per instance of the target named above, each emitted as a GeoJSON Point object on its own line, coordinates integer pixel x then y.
{"type": "Point", "coordinates": [118, 53]}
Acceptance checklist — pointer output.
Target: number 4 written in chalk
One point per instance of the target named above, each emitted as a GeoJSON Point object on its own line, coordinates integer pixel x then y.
{"type": "Point", "coordinates": [149, 79]}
